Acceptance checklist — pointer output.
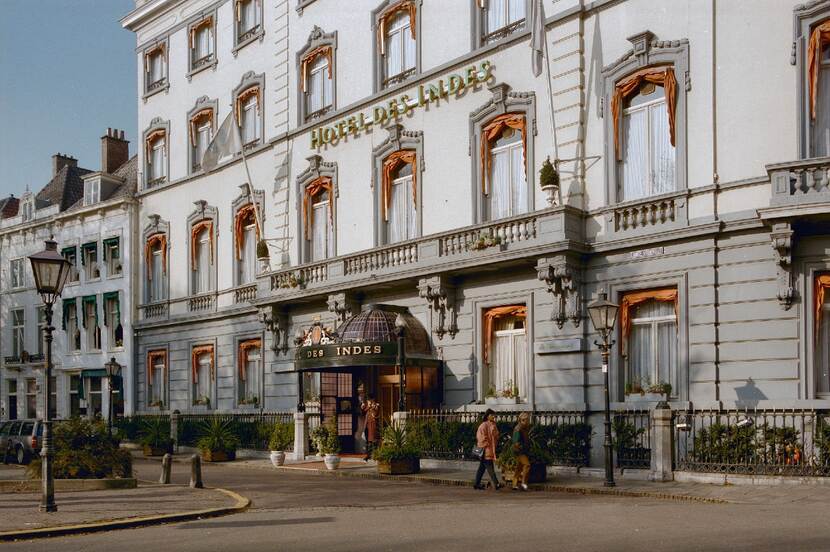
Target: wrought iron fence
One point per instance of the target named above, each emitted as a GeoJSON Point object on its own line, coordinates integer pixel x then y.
{"type": "Point", "coordinates": [129, 427]}
{"type": "Point", "coordinates": [756, 442]}
{"type": "Point", "coordinates": [631, 430]}
{"type": "Point", "coordinates": [564, 437]}
{"type": "Point", "coordinates": [253, 429]}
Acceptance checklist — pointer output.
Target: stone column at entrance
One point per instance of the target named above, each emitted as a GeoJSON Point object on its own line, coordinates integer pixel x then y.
{"type": "Point", "coordinates": [300, 436]}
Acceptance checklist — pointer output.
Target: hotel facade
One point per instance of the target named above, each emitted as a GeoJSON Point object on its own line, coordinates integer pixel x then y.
{"type": "Point", "coordinates": [396, 178]}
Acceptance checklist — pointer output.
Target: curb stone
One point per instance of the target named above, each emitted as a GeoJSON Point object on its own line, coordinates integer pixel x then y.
{"type": "Point", "coordinates": [548, 487]}
{"type": "Point", "coordinates": [242, 504]}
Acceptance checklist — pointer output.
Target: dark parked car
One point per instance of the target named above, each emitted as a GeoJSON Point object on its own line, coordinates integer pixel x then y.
{"type": "Point", "coordinates": [21, 439]}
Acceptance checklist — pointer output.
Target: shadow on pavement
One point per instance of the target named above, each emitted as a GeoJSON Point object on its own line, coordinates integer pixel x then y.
{"type": "Point", "coordinates": [262, 523]}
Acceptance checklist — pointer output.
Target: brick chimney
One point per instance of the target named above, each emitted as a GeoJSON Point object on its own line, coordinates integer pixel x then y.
{"type": "Point", "coordinates": [60, 160]}
{"type": "Point", "coordinates": [115, 150]}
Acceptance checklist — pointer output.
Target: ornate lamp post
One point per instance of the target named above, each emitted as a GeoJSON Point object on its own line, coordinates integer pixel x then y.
{"type": "Point", "coordinates": [51, 271]}
{"type": "Point", "coordinates": [603, 316]}
{"type": "Point", "coordinates": [113, 369]}
{"type": "Point", "coordinates": [400, 332]}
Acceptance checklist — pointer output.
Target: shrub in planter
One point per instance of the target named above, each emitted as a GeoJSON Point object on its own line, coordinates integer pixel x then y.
{"type": "Point", "coordinates": [282, 439]}
{"type": "Point", "coordinates": [84, 449]}
{"type": "Point", "coordinates": [538, 456]}
{"type": "Point", "coordinates": [396, 454]}
{"type": "Point", "coordinates": [327, 442]}
{"type": "Point", "coordinates": [218, 441]}
{"type": "Point", "coordinates": [155, 436]}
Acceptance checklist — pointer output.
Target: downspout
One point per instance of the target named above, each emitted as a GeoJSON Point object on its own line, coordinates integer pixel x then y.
{"type": "Point", "coordinates": [715, 197]}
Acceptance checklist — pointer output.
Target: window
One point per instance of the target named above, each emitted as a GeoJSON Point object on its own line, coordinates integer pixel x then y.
{"type": "Point", "coordinates": [94, 397]}
{"type": "Point", "coordinates": [75, 397]}
{"type": "Point", "coordinates": [503, 17]}
{"type": "Point", "coordinates": [92, 192]}
{"type": "Point", "coordinates": [41, 330]}
{"type": "Point", "coordinates": [248, 21]}
{"type": "Point", "coordinates": [156, 378]}
{"type": "Point", "coordinates": [648, 322]}
{"type": "Point", "coordinates": [402, 218]}
{"type": "Point", "coordinates": [821, 114]}
{"type": "Point", "coordinates": [318, 83]}
{"type": "Point", "coordinates": [398, 46]}
{"type": "Point", "coordinates": [89, 258]}
{"type": "Point", "coordinates": [70, 324]}
{"type": "Point", "coordinates": [155, 254]}
{"type": "Point", "coordinates": [647, 163]}
{"type": "Point", "coordinates": [202, 44]}
{"type": "Point", "coordinates": [311, 388]}
{"type": "Point", "coordinates": [822, 332]}
{"type": "Point", "coordinates": [248, 116]}
{"type": "Point", "coordinates": [27, 210]}
{"type": "Point", "coordinates": [155, 69]}
{"type": "Point", "coordinates": [247, 234]}
{"type": "Point", "coordinates": [508, 192]}
{"type": "Point", "coordinates": [201, 133]}
{"type": "Point", "coordinates": [92, 330]}
{"type": "Point", "coordinates": [71, 255]}
{"type": "Point", "coordinates": [202, 256]}
{"type": "Point", "coordinates": [31, 398]}
{"type": "Point", "coordinates": [18, 332]}
{"type": "Point", "coordinates": [506, 352]}
{"type": "Point", "coordinates": [202, 360]}
{"type": "Point", "coordinates": [17, 273]}
{"type": "Point", "coordinates": [11, 385]}
{"type": "Point", "coordinates": [318, 219]}
{"type": "Point", "coordinates": [250, 356]}
{"type": "Point", "coordinates": [112, 256]}
{"type": "Point", "coordinates": [112, 320]}
{"type": "Point", "coordinates": [156, 169]}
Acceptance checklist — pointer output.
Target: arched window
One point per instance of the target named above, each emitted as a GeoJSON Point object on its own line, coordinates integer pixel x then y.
{"type": "Point", "coordinates": [201, 256]}
{"type": "Point", "coordinates": [643, 108]}
{"type": "Point", "coordinates": [318, 83]}
{"type": "Point", "coordinates": [250, 372]}
{"type": "Point", "coordinates": [248, 115]}
{"type": "Point", "coordinates": [821, 297]}
{"type": "Point", "coordinates": [202, 367]}
{"type": "Point", "coordinates": [397, 41]}
{"type": "Point", "coordinates": [201, 133]}
{"type": "Point", "coordinates": [155, 258]}
{"type": "Point", "coordinates": [504, 163]}
{"type": "Point", "coordinates": [649, 327]}
{"type": "Point", "coordinates": [399, 196]}
{"type": "Point", "coordinates": [818, 66]}
{"type": "Point", "coordinates": [505, 351]}
{"type": "Point", "coordinates": [156, 378]}
{"type": "Point", "coordinates": [248, 22]}
{"type": "Point", "coordinates": [318, 218]}
{"type": "Point", "coordinates": [156, 157]}
{"type": "Point", "coordinates": [246, 235]}
{"type": "Point", "coordinates": [202, 44]}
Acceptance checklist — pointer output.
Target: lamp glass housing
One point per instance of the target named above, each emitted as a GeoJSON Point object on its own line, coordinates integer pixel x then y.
{"type": "Point", "coordinates": [603, 313]}
{"type": "Point", "coordinates": [51, 271]}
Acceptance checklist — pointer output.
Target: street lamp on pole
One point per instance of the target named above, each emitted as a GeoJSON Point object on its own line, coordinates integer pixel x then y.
{"type": "Point", "coordinates": [50, 270]}
{"type": "Point", "coordinates": [400, 332]}
{"type": "Point", "coordinates": [603, 315]}
{"type": "Point", "coordinates": [113, 369]}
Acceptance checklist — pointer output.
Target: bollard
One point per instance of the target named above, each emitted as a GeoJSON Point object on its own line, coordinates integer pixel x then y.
{"type": "Point", "coordinates": [196, 472]}
{"type": "Point", "coordinates": [166, 466]}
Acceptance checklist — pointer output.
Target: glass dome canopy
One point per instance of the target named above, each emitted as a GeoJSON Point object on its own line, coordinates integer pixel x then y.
{"type": "Point", "coordinates": [377, 323]}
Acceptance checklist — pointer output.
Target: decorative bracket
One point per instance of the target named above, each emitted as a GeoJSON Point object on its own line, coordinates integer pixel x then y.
{"type": "Point", "coordinates": [440, 296]}
{"type": "Point", "coordinates": [782, 245]}
{"type": "Point", "coordinates": [562, 276]}
{"type": "Point", "coordinates": [275, 321]}
{"type": "Point", "coordinates": [343, 305]}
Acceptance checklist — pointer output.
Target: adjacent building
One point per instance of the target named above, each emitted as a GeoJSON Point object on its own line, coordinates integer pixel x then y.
{"type": "Point", "coordinates": [91, 214]}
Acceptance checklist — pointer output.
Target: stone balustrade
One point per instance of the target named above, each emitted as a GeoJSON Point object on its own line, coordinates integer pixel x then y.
{"type": "Point", "coordinates": [797, 182]}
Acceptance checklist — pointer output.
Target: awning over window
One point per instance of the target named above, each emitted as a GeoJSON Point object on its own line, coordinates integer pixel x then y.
{"type": "Point", "coordinates": [67, 303]}
{"type": "Point", "coordinates": [392, 164]}
{"type": "Point", "coordinates": [315, 187]}
{"type": "Point", "coordinates": [493, 314]}
{"type": "Point", "coordinates": [109, 242]}
{"type": "Point", "coordinates": [69, 251]}
{"type": "Point", "coordinates": [91, 246]}
{"type": "Point", "coordinates": [112, 296]}
{"type": "Point", "coordinates": [661, 76]}
{"type": "Point", "coordinates": [490, 134]}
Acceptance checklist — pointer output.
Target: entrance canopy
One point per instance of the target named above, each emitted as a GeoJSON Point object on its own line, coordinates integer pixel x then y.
{"type": "Point", "coordinates": [366, 339]}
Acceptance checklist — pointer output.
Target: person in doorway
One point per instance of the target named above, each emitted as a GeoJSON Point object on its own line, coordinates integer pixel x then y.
{"type": "Point", "coordinates": [371, 410]}
{"type": "Point", "coordinates": [521, 449]}
{"type": "Point", "coordinates": [487, 436]}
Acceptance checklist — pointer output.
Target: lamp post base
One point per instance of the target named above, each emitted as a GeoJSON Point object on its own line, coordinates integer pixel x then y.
{"type": "Point", "coordinates": [48, 507]}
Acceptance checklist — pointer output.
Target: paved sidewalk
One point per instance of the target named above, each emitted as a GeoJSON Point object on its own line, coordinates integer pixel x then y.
{"type": "Point", "coordinates": [19, 511]}
{"type": "Point", "coordinates": [698, 492]}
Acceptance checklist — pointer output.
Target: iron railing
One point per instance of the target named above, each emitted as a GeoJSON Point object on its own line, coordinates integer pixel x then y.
{"type": "Point", "coordinates": [446, 434]}
{"type": "Point", "coordinates": [130, 427]}
{"type": "Point", "coordinates": [253, 429]}
{"type": "Point", "coordinates": [792, 442]}
{"type": "Point", "coordinates": [631, 430]}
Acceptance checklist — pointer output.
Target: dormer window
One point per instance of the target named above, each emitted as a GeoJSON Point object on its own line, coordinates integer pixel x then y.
{"type": "Point", "coordinates": [155, 69]}
{"type": "Point", "coordinates": [92, 192]}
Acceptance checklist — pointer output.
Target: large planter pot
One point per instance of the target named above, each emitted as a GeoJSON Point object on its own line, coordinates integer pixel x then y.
{"type": "Point", "coordinates": [645, 397]}
{"type": "Point", "coordinates": [550, 194]}
{"type": "Point", "coordinates": [277, 458]}
{"type": "Point", "coordinates": [155, 451]}
{"type": "Point", "coordinates": [492, 401]}
{"type": "Point", "coordinates": [218, 455]}
{"type": "Point", "coordinates": [332, 461]}
{"type": "Point", "coordinates": [538, 473]}
{"type": "Point", "coordinates": [506, 400]}
{"type": "Point", "coordinates": [402, 466]}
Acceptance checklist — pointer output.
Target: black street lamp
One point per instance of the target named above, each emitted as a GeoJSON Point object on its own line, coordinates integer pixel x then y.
{"type": "Point", "coordinates": [400, 332]}
{"type": "Point", "coordinates": [113, 369]}
{"type": "Point", "coordinates": [603, 316]}
{"type": "Point", "coordinates": [51, 271]}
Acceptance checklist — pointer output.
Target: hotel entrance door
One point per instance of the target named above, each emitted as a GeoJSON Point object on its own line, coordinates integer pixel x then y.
{"type": "Point", "coordinates": [337, 397]}
{"type": "Point", "coordinates": [389, 392]}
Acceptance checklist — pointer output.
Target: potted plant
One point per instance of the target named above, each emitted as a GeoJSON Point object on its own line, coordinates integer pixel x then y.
{"type": "Point", "coordinates": [328, 443]}
{"type": "Point", "coordinates": [510, 393]}
{"type": "Point", "coordinates": [484, 241]}
{"type": "Point", "coordinates": [282, 439]}
{"type": "Point", "coordinates": [653, 392]}
{"type": "Point", "coordinates": [539, 457]}
{"type": "Point", "coordinates": [202, 401]}
{"type": "Point", "coordinates": [491, 397]}
{"type": "Point", "coordinates": [549, 181]}
{"type": "Point", "coordinates": [263, 255]}
{"type": "Point", "coordinates": [218, 441]}
{"type": "Point", "coordinates": [157, 404]}
{"type": "Point", "coordinates": [155, 437]}
{"type": "Point", "coordinates": [396, 454]}
{"type": "Point", "coordinates": [249, 401]}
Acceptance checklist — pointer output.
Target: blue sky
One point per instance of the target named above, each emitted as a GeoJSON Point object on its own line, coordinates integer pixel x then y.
{"type": "Point", "coordinates": [67, 72]}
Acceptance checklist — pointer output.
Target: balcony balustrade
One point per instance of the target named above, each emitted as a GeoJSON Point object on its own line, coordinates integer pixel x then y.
{"type": "Point", "coordinates": [800, 182]}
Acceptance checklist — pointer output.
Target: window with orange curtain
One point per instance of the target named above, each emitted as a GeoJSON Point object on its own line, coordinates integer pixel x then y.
{"type": "Point", "coordinates": [507, 183]}
{"type": "Point", "coordinates": [317, 81]}
{"type": "Point", "coordinates": [201, 256]}
{"type": "Point", "coordinates": [202, 44]}
{"type": "Point", "coordinates": [250, 372]}
{"type": "Point", "coordinates": [248, 20]}
{"type": "Point", "coordinates": [201, 133]}
{"type": "Point", "coordinates": [397, 41]}
{"type": "Point", "coordinates": [246, 235]}
{"type": "Point", "coordinates": [400, 202]}
{"type": "Point", "coordinates": [155, 68]}
{"type": "Point", "coordinates": [821, 313]}
{"type": "Point", "coordinates": [155, 252]}
{"type": "Point", "coordinates": [319, 220]}
{"type": "Point", "coordinates": [506, 351]}
{"type": "Point", "coordinates": [202, 374]}
{"type": "Point", "coordinates": [820, 93]}
{"type": "Point", "coordinates": [156, 157]}
{"type": "Point", "coordinates": [156, 378]}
